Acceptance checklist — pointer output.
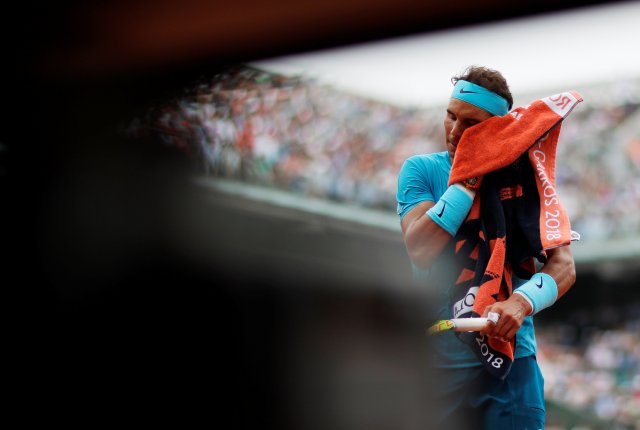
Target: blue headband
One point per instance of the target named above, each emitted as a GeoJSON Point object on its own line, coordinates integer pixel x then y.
{"type": "Point", "coordinates": [480, 97]}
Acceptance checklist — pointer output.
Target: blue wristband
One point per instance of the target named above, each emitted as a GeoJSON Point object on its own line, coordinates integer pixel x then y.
{"type": "Point", "coordinates": [452, 208]}
{"type": "Point", "coordinates": [541, 291]}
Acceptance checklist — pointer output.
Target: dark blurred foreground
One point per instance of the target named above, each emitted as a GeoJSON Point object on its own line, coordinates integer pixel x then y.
{"type": "Point", "coordinates": [146, 297]}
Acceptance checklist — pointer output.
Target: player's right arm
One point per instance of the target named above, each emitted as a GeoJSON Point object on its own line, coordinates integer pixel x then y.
{"type": "Point", "coordinates": [423, 238]}
{"type": "Point", "coordinates": [431, 212]}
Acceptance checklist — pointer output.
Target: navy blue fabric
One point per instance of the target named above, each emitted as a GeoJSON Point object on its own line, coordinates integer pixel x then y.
{"type": "Point", "coordinates": [472, 399]}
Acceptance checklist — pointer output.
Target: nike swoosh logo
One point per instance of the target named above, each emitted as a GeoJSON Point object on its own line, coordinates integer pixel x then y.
{"type": "Point", "coordinates": [540, 284]}
{"type": "Point", "coordinates": [444, 205]}
{"type": "Point", "coordinates": [463, 91]}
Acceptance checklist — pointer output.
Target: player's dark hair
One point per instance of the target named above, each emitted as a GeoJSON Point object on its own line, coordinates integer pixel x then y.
{"type": "Point", "coordinates": [487, 78]}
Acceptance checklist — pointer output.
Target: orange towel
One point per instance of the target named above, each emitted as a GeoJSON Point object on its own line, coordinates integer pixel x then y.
{"type": "Point", "coordinates": [500, 140]}
{"type": "Point", "coordinates": [516, 214]}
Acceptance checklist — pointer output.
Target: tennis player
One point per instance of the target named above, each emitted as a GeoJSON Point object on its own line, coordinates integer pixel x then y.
{"type": "Point", "coordinates": [471, 397]}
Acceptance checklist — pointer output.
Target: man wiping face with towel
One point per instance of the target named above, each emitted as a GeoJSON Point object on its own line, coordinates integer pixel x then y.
{"type": "Point", "coordinates": [471, 220]}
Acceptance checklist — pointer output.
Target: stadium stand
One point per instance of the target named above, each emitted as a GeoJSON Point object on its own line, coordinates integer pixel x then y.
{"type": "Point", "coordinates": [298, 135]}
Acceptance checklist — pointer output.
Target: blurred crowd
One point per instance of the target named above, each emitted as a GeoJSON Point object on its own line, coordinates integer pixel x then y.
{"type": "Point", "coordinates": [595, 370]}
{"type": "Point", "coordinates": [296, 134]}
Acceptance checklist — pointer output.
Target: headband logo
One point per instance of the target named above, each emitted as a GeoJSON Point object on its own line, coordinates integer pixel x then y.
{"type": "Point", "coordinates": [481, 97]}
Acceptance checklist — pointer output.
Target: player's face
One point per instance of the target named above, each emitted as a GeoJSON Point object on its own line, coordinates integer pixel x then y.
{"type": "Point", "coordinates": [460, 116]}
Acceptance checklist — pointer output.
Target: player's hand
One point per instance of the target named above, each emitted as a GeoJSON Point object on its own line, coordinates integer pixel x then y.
{"type": "Point", "coordinates": [512, 313]}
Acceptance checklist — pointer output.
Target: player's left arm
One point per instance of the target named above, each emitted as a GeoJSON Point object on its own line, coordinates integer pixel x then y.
{"type": "Point", "coordinates": [561, 267]}
{"type": "Point", "coordinates": [554, 279]}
